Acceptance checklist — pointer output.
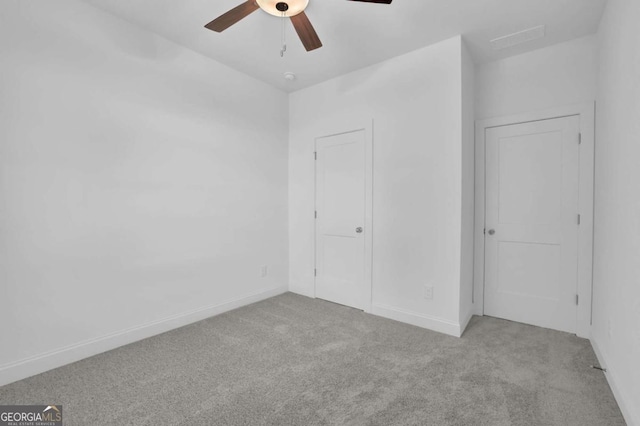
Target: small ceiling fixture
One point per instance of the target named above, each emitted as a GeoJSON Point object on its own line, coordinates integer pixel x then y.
{"type": "Point", "coordinates": [293, 9]}
{"type": "Point", "coordinates": [289, 76]}
{"type": "Point", "coordinates": [520, 37]}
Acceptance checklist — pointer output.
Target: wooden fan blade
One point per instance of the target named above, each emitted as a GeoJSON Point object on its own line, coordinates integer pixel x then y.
{"type": "Point", "coordinates": [226, 20]}
{"type": "Point", "coordinates": [305, 31]}
{"type": "Point", "coordinates": [375, 1]}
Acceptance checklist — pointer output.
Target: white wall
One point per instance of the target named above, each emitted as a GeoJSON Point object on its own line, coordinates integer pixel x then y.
{"type": "Point", "coordinates": [468, 187]}
{"type": "Point", "coordinates": [616, 306]}
{"type": "Point", "coordinates": [139, 181]}
{"type": "Point", "coordinates": [415, 103]}
{"type": "Point", "coordinates": [559, 75]}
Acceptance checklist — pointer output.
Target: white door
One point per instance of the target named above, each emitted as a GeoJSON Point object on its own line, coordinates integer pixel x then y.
{"type": "Point", "coordinates": [531, 240]}
{"type": "Point", "coordinates": [340, 209]}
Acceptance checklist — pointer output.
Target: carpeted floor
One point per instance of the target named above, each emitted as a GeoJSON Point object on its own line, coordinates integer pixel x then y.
{"type": "Point", "coordinates": [291, 360]}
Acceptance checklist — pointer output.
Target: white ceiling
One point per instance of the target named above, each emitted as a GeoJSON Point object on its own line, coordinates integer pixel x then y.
{"type": "Point", "coordinates": [354, 34]}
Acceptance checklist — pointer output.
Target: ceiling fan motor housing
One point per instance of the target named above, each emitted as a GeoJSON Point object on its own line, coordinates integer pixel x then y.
{"type": "Point", "coordinates": [279, 8]}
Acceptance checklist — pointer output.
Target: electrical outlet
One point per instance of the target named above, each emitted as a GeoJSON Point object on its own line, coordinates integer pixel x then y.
{"type": "Point", "coordinates": [263, 271]}
{"type": "Point", "coordinates": [428, 292]}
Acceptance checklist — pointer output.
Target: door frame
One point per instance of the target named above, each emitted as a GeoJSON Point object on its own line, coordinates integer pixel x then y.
{"type": "Point", "coordinates": [367, 127]}
{"type": "Point", "coordinates": [586, 112]}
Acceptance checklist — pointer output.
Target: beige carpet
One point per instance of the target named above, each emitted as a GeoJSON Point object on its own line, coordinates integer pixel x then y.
{"type": "Point", "coordinates": [291, 360]}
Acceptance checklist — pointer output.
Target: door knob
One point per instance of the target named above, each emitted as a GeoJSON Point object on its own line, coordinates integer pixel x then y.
{"type": "Point", "coordinates": [492, 231]}
{"type": "Point", "coordinates": [359, 230]}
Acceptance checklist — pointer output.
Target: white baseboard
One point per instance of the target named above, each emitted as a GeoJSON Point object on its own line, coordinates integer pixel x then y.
{"type": "Point", "coordinates": [465, 322]}
{"type": "Point", "coordinates": [31, 366]}
{"type": "Point", "coordinates": [432, 323]}
{"type": "Point", "coordinates": [632, 418]}
{"type": "Point", "coordinates": [301, 292]}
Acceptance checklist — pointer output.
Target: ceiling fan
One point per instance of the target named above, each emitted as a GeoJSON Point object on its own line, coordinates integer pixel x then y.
{"type": "Point", "coordinates": [293, 9]}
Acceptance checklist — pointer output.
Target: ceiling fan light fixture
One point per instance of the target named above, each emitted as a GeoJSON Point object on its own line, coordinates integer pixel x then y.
{"type": "Point", "coordinates": [294, 7]}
